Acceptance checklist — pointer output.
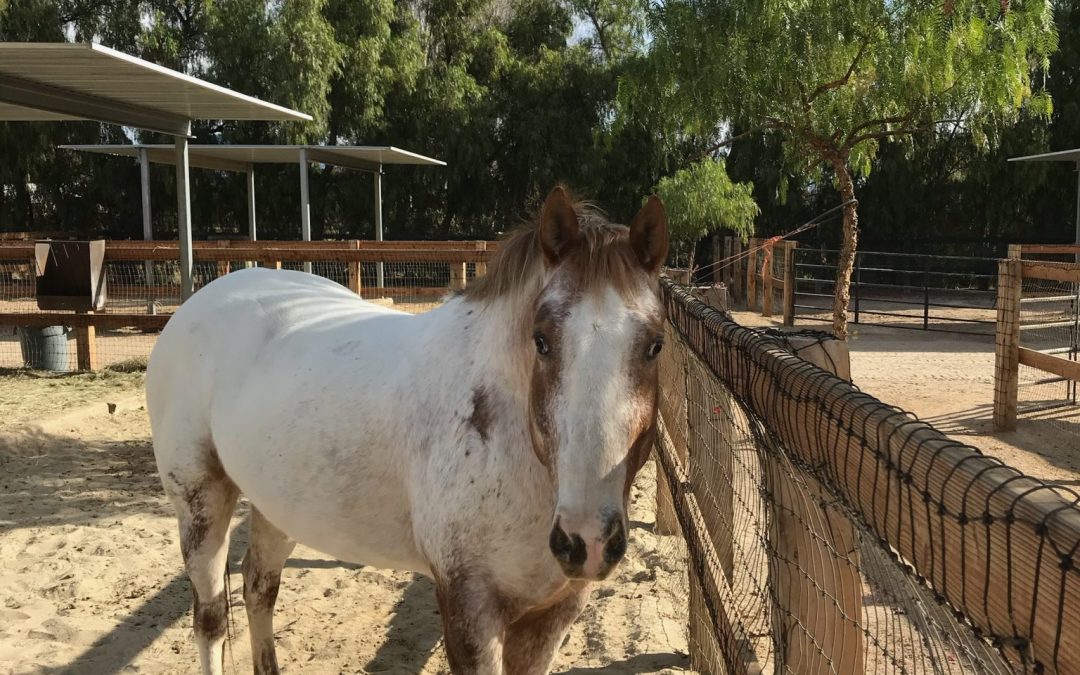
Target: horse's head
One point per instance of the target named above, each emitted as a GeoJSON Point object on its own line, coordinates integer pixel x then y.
{"type": "Point", "coordinates": [597, 329]}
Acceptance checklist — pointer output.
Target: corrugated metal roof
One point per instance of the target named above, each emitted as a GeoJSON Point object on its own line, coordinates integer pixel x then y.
{"type": "Point", "coordinates": [1060, 156]}
{"type": "Point", "coordinates": [238, 157]}
{"type": "Point", "coordinates": [58, 81]}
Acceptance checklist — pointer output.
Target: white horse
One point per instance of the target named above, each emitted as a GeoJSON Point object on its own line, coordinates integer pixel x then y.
{"type": "Point", "coordinates": [489, 443]}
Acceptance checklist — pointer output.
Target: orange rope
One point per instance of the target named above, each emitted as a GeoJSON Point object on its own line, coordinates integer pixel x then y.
{"type": "Point", "coordinates": [766, 265]}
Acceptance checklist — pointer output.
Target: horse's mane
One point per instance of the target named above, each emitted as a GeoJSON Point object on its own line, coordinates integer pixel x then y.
{"type": "Point", "coordinates": [603, 254]}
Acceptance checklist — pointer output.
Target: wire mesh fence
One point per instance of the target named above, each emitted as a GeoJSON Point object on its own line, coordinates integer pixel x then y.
{"type": "Point", "coordinates": [1049, 323]}
{"type": "Point", "coordinates": [143, 279]}
{"type": "Point", "coordinates": [901, 290]}
{"type": "Point", "coordinates": [830, 533]}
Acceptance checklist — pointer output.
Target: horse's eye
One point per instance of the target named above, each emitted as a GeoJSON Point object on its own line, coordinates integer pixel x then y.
{"type": "Point", "coordinates": [541, 343]}
{"type": "Point", "coordinates": [654, 349]}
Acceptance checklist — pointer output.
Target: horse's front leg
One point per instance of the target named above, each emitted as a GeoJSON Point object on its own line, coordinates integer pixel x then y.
{"type": "Point", "coordinates": [533, 640]}
{"type": "Point", "coordinates": [473, 618]}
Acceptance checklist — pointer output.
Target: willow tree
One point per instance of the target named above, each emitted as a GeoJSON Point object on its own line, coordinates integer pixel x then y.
{"type": "Point", "coordinates": [701, 199]}
{"type": "Point", "coordinates": [836, 78]}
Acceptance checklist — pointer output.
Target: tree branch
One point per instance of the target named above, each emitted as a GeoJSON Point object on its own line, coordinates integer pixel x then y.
{"type": "Point", "coordinates": [896, 119]}
{"type": "Point", "coordinates": [888, 133]}
{"type": "Point", "coordinates": [836, 84]}
{"type": "Point", "coordinates": [725, 143]}
{"type": "Point", "coordinates": [770, 124]}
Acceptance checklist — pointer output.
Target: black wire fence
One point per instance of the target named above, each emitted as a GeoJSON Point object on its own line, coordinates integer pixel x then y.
{"type": "Point", "coordinates": [829, 532]}
{"type": "Point", "coordinates": [944, 293]}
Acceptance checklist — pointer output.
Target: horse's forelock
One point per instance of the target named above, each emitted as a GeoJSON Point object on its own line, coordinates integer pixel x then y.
{"type": "Point", "coordinates": [602, 255]}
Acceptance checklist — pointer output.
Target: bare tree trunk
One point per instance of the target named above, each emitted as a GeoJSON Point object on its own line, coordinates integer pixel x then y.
{"type": "Point", "coordinates": [848, 241]}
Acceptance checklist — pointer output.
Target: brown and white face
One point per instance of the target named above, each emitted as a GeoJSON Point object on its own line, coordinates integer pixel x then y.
{"type": "Point", "coordinates": [594, 384]}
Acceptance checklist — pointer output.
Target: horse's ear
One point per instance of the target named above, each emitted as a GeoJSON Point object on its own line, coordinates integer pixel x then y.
{"type": "Point", "coordinates": [559, 231]}
{"type": "Point", "coordinates": [649, 235]}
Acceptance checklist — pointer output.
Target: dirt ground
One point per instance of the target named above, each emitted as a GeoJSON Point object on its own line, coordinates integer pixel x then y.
{"type": "Point", "coordinates": [948, 380]}
{"type": "Point", "coordinates": [90, 575]}
{"type": "Point", "coordinates": [91, 581]}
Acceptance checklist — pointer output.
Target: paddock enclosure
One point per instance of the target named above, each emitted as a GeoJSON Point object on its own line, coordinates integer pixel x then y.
{"type": "Point", "coordinates": [143, 286]}
{"type": "Point", "coordinates": [790, 522]}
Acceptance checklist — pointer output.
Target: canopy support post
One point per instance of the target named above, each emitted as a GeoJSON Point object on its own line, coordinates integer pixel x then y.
{"type": "Point", "coordinates": [251, 202]}
{"type": "Point", "coordinates": [183, 216]}
{"type": "Point", "coordinates": [305, 203]}
{"type": "Point", "coordinates": [147, 226]}
{"type": "Point", "coordinates": [380, 280]}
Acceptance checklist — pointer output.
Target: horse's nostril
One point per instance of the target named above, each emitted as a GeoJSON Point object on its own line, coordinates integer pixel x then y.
{"type": "Point", "coordinates": [615, 548]}
{"type": "Point", "coordinates": [570, 549]}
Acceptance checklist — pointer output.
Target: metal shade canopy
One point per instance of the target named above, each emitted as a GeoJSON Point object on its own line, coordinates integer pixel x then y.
{"type": "Point", "coordinates": [1061, 156]}
{"type": "Point", "coordinates": [242, 158]}
{"type": "Point", "coordinates": [46, 81]}
{"type": "Point", "coordinates": [49, 82]}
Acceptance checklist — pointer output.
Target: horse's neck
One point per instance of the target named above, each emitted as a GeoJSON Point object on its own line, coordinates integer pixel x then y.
{"type": "Point", "coordinates": [499, 351]}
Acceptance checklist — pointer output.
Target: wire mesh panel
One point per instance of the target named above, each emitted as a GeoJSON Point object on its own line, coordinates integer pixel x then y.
{"type": "Point", "coordinates": [143, 278]}
{"type": "Point", "coordinates": [901, 290]}
{"type": "Point", "coordinates": [830, 533]}
{"type": "Point", "coordinates": [1049, 323]}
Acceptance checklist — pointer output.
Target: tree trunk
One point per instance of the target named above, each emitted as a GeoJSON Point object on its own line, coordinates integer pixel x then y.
{"type": "Point", "coordinates": [848, 241]}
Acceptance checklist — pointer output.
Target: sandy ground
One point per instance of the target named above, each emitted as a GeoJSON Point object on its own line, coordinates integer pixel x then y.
{"type": "Point", "coordinates": [948, 380]}
{"type": "Point", "coordinates": [90, 575]}
{"type": "Point", "coordinates": [91, 581]}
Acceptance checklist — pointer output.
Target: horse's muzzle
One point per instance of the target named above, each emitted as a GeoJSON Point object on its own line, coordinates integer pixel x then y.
{"type": "Point", "coordinates": [589, 557]}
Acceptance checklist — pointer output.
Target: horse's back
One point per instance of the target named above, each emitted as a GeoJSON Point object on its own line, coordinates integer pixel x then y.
{"type": "Point", "coordinates": [284, 376]}
{"type": "Point", "coordinates": [224, 328]}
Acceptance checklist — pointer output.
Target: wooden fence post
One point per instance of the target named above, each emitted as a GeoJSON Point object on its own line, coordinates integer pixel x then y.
{"type": "Point", "coordinates": [815, 570]}
{"type": "Point", "coordinates": [1007, 343]}
{"type": "Point", "coordinates": [815, 565]}
{"type": "Point", "coordinates": [718, 249]}
{"type": "Point", "coordinates": [751, 276]}
{"type": "Point", "coordinates": [458, 274]}
{"type": "Point", "coordinates": [673, 402]}
{"type": "Point", "coordinates": [711, 444]}
{"type": "Point", "coordinates": [481, 267]}
{"type": "Point", "coordinates": [789, 282]}
{"type": "Point", "coordinates": [768, 264]}
{"type": "Point", "coordinates": [736, 270]}
{"type": "Point", "coordinates": [86, 357]}
{"type": "Point", "coordinates": [354, 269]}
{"type": "Point", "coordinates": [725, 272]}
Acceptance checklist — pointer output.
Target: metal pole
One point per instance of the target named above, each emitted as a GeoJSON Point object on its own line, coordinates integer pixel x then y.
{"type": "Point", "coordinates": [379, 273]}
{"type": "Point", "coordinates": [251, 202]}
{"type": "Point", "coordinates": [858, 282]}
{"type": "Point", "coordinates": [305, 203]}
{"type": "Point", "coordinates": [1076, 302]}
{"type": "Point", "coordinates": [1078, 208]}
{"type": "Point", "coordinates": [183, 216]}
{"type": "Point", "coordinates": [147, 227]}
{"type": "Point", "coordinates": [926, 294]}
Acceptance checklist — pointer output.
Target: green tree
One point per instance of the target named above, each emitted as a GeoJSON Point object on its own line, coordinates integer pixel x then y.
{"type": "Point", "coordinates": [836, 78]}
{"type": "Point", "coordinates": [701, 199]}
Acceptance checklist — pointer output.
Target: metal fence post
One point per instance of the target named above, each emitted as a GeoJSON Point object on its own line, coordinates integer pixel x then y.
{"type": "Point", "coordinates": [926, 294]}
{"type": "Point", "coordinates": [858, 282]}
{"type": "Point", "coordinates": [790, 249]}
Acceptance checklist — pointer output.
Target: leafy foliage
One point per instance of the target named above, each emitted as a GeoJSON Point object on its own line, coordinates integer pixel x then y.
{"type": "Point", "coordinates": [701, 199]}
{"type": "Point", "coordinates": [514, 96]}
{"type": "Point", "coordinates": [835, 78]}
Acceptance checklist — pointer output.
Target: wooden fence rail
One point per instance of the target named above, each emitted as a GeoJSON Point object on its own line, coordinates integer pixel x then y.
{"type": "Point", "coordinates": [760, 272]}
{"type": "Point", "coordinates": [456, 255]}
{"type": "Point", "coordinates": [1009, 355]}
{"type": "Point", "coordinates": [1001, 548]}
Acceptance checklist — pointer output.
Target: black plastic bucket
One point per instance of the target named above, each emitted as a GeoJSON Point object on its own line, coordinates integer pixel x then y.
{"type": "Point", "coordinates": [45, 348]}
